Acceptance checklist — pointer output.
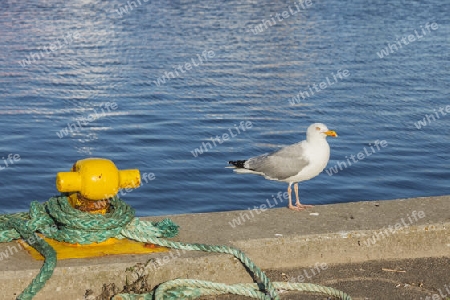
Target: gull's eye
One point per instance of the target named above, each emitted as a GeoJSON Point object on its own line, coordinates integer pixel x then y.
{"type": "Point", "coordinates": [317, 128]}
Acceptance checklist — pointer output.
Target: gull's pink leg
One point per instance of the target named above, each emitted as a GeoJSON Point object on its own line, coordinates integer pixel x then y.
{"type": "Point", "coordinates": [297, 203]}
{"type": "Point", "coordinates": [290, 206]}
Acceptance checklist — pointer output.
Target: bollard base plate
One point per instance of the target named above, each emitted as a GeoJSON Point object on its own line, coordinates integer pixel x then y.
{"type": "Point", "coordinates": [111, 246]}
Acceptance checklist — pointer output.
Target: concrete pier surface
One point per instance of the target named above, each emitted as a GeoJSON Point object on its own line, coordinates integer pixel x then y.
{"type": "Point", "coordinates": [392, 249]}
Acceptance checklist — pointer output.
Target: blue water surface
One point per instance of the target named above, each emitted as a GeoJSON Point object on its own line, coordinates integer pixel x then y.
{"type": "Point", "coordinates": [99, 62]}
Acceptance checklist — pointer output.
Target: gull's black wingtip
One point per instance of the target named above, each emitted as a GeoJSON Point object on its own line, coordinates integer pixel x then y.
{"type": "Point", "coordinates": [237, 163]}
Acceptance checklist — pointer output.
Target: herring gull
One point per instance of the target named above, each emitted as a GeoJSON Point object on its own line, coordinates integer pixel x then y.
{"type": "Point", "coordinates": [294, 163]}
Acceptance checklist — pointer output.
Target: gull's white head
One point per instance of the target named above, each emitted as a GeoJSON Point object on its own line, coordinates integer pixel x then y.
{"type": "Point", "coordinates": [319, 130]}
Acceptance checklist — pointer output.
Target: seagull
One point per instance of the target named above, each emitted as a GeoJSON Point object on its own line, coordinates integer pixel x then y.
{"type": "Point", "coordinates": [294, 163]}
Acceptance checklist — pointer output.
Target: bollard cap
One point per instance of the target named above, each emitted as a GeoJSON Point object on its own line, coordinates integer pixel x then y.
{"type": "Point", "coordinates": [96, 179]}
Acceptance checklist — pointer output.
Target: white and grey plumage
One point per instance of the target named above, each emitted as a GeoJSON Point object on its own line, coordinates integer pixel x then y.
{"type": "Point", "coordinates": [294, 163]}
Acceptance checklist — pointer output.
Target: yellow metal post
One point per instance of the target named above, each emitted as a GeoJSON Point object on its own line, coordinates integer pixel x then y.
{"type": "Point", "coordinates": [89, 185]}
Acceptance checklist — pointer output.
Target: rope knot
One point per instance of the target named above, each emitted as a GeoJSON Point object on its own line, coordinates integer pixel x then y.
{"type": "Point", "coordinates": [75, 226]}
{"type": "Point", "coordinates": [167, 228]}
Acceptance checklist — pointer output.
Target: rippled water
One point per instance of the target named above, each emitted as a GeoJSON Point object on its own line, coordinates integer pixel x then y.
{"type": "Point", "coordinates": [95, 57]}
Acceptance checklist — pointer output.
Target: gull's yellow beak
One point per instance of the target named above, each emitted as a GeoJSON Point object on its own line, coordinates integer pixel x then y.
{"type": "Point", "coordinates": [331, 133]}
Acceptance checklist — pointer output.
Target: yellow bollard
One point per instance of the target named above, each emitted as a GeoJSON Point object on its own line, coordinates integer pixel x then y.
{"type": "Point", "coordinates": [89, 185]}
{"type": "Point", "coordinates": [92, 181]}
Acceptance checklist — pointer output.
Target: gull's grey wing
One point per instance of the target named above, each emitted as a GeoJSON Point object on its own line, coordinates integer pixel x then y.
{"type": "Point", "coordinates": [281, 164]}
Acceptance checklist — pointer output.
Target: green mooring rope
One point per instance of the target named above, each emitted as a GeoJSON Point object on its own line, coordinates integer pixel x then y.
{"type": "Point", "coordinates": [192, 289]}
{"type": "Point", "coordinates": [58, 220]}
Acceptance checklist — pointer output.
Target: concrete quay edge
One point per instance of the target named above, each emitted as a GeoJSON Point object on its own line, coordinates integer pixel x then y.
{"type": "Point", "coordinates": [273, 239]}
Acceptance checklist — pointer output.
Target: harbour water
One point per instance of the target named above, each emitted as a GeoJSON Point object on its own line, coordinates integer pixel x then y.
{"type": "Point", "coordinates": [169, 87]}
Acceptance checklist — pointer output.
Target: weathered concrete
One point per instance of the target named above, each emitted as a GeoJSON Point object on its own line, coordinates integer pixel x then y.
{"type": "Point", "coordinates": [274, 239]}
{"type": "Point", "coordinates": [406, 279]}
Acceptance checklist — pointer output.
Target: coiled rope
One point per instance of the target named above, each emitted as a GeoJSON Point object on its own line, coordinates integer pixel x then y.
{"type": "Point", "coordinates": [58, 220]}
